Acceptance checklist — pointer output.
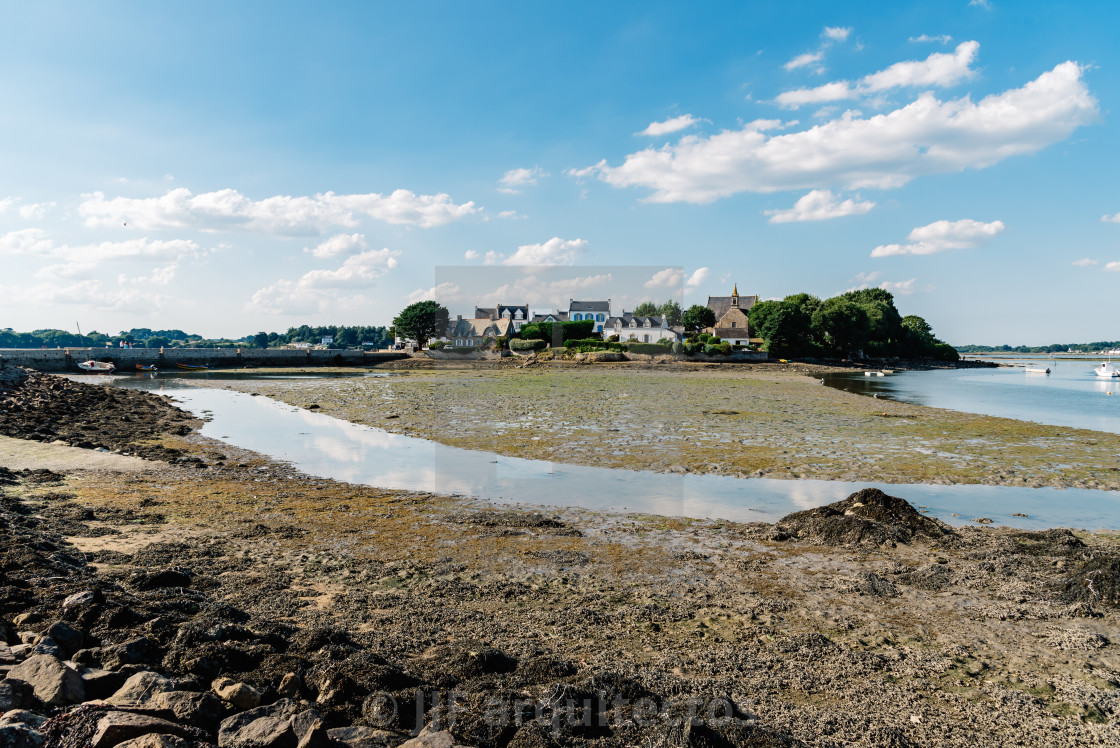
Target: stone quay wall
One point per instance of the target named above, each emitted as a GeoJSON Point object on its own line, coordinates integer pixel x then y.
{"type": "Point", "coordinates": [126, 359]}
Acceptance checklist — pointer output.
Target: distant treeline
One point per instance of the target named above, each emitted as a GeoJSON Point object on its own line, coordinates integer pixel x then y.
{"type": "Point", "coordinates": [343, 337]}
{"type": "Point", "coordinates": [1097, 347]}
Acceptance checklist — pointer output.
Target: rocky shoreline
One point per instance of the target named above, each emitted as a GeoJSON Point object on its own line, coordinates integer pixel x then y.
{"type": "Point", "coordinates": [220, 599]}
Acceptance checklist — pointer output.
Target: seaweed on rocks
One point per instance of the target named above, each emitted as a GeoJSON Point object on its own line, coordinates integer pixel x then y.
{"type": "Point", "coordinates": [866, 518]}
{"type": "Point", "coordinates": [1096, 580]}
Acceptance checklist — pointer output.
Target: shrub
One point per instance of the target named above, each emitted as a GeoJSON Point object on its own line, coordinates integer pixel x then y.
{"type": "Point", "coordinates": [703, 337]}
{"type": "Point", "coordinates": [666, 342]}
{"type": "Point", "coordinates": [516, 344]}
{"type": "Point", "coordinates": [713, 340]}
{"type": "Point", "coordinates": [677, 347]}
{"type": "Point", "coordinates": [691, 348]}
{"type": "Point", "coordinates": [436, 345]}
{"type": "Point", "coordinates": [712, 350]}
{"type": "Point", "coordinates": [568, 330]}
{"type": "Point", "coordinates": [648, 349]}
{"type": "Point", "coordinates": [945, 352]}
{"type": "Point", "coordinates": [503, 342]}
{"type": "Point", "coordinates": [593, 344]}
{"type": "Point", "coordinates": [725, 348]}
{"type": "Point", "coordinates": [612, 339]}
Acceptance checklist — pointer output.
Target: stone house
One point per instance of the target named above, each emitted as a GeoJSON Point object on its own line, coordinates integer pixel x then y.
{"type": "Point", "coordinates": [473, 333]}
{"type": "Point", "coordinates": [732, 323]}
{"type": "Point", "coordinates": [518, 314]}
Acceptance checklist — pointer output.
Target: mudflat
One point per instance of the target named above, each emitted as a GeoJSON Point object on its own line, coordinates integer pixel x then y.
{"type": "Point", "coordinates": [863, 623]}
{"type": "Point", "coordinates": [744, 421]}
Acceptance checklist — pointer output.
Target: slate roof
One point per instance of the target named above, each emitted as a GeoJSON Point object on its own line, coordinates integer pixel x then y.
{"type": "Point", "coordinates": [589, 306]}
{"type": "Point", "coordinates": [561, 316]}
{"type": "Point", "coordinates": [720, 304]}
{"type": "Point", "coordinates": [626, 319]}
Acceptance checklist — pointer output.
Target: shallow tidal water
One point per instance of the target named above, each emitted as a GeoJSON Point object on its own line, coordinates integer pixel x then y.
{"type": "Point", "coordinates": [1070, 395]}
{"type": "Point", "coordinates": [320, 445]}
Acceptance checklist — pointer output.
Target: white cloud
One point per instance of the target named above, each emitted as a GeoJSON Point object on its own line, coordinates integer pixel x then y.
{"type": "Point", "coordinates": [927, 136]}
{"type": "Point", "coordinates": [491, 258]}
{"type": "Point", "coordinates": [820, 205]}
{"type": "Point", "coordinates": [1111, 219]}
{"type": "Point", "coordinates": [900, 288]}
{"type": "Point", "coordinates": [514, 180]}
{"type": "Point", "coordinates": [318, 290]}
{"type": "Point", "coordinates": [470, 254]}
{"type": "Point", "coordinates": [836, 91]}
{"type": "Point", "coordinates": [1085, 262]}
{"type": "Point", "coordinates": [158, 277]}
{"type": "Point", "coordinates": [676, 124]}
{"type": "Point", "coordinates": [942, 39]}
{"type": "Point", "coordinates": [35, 211]}
{"type": "Point", "coordinates": [698, 276]}
{"type": "Point", "coordinates": [939, 70]}
{"type": "Point", "coordinates": [36, 242]}
{"type": "Point", "coordinates": [1113, 266]}
{"type": "Point", "coordinates": [587, 171]}
{"type": "Point", "coordinates": [6, 203]}
{"type": "Point", "coordinates": [338, 245]}
{"type": "Point", "coordinates": [985, 4]}
{"type": "Point", "coordinates": [804, 60]}
{"type": "Point", "coordinates": [943, 235]}
{"type": "Point", "coordinates": [282, 215]}
{"type": "Point", "coordinates": [512, 215]}
{"type": "Point", "coordinates": [88, 293]}
{"type": "Point", "coordinates": [667, 278]}
{"type": "Point", "coordinates": [555, 251]}
{"type": "Point", "coordinates": [444, 293]}
{"type": "Point", "coordinates": [836, 33]}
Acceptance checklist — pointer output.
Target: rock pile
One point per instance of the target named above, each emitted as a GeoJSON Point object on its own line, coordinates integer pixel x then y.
{"type": "Point", "coordinates": [151, 655]}
{"type": "Point", "coordinates": [46, 408]}
{"type": "Point", "coordinates": [866, 518]}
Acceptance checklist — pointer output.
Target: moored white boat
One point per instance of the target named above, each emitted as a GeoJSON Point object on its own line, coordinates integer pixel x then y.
{"type": "Point", "coordinates": [1036, 370]}
{"type": "Point", "coordinates": [1107, 370]}
{"type": "Point", "coordinates": [97, 367]}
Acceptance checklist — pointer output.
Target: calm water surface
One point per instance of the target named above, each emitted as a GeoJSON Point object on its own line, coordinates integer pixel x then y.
{"type": "Point", "coordinates": [320, 445]}
{"type": "Point", "coordinates": [1069, 396]}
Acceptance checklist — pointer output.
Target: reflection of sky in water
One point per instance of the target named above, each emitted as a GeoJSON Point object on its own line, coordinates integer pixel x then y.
{"type": "Point", "coordinates": [1071, 395]}
{"type": "Point", "coordinates": [321, 445]}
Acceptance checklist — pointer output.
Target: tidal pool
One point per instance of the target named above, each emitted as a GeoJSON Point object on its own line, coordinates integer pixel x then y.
{"type": "Point", "coordinates": [321, 445]}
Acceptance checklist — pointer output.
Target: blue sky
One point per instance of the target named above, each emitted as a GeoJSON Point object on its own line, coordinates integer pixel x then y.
{"type": "Point", "coordinates": [230, 167]}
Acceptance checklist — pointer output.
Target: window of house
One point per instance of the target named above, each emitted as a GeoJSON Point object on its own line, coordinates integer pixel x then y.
{"type": "Point", "coordinates": [645, 338]}
{"type": "Point", "coordinates": [470, 342]}
{"type": "Point", "coordinates": [505, 314]}
{"type": "Point", "coordinates": [577, 317]}
{"type": "Point", "coordinates": [519, 315]}
{"type": "Point", "coordinates": [598, 318]}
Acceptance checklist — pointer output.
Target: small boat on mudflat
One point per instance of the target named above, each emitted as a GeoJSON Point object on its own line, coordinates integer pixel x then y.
{"type": "Point", "coordinates": [97, 367]}
{"type": "Point", "coordinates": [195, 367]}
{"type": "Point", "coordinates": [146, 367]}
{"type": "Point", "coordinates": [1035, 370]}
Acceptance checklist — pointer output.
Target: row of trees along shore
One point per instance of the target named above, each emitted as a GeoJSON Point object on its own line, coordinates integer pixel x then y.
{"type": "Point", "coordinates": [1099, 346]}
{"type": "Point", "coordinates": [863, 322]}
{"type": "Point", "coordinates": [355, 336]}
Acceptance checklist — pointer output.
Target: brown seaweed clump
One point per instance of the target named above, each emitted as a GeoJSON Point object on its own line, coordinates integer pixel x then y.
{"type": "Point", "coordinates": [866, 518]}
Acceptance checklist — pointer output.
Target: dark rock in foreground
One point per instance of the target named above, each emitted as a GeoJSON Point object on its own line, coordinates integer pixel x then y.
{"type": "Point", "coordinates": [866, 518]}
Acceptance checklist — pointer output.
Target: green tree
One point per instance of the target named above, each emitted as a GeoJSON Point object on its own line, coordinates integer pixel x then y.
{"type": "Point", "coordinates": [646, 309]}
{"type": "Point", "coordinates": [842, 325]}
{"type": "Point", "coordinates": [421, 321]}
{"type": "Point", "coordinates": [806, 302]}
{"type": "Point", "coordinates": [784, 326]}
{"type": "Point", "coordinates": [157, 342]}
{"type": "Point", "coordinates": [672, 311]}
{"type": "Point", "coordinates": [884, 321]}
{"type": "Point", "coordinates": [260, 340]}
{"type": "Point", "coordinates": [698, 317]}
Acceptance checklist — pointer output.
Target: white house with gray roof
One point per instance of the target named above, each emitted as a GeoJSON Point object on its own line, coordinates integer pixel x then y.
{"type": "Point", "coordinates": [597, 311]}
{"type": "Point", "coordinates": [638, 329]}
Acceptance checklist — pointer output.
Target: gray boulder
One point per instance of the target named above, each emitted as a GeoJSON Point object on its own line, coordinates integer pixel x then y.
{"type": "Point", "coordinates": [361, 737]}
{"type": "Point", "coordinates": [19, 736]}
{"type": "Point", "coordinates": [231, 727]}
{"type": "Point", "coordinates": [152, 740]}
{"type": "Point", "coordinates": [116, 727]}
{"type": "Point", "coordinates": [198, 709]}
{"type": "Point", "coordinates": [139, 688]}
{"type": "Point", "coordinates": [53, 682]}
